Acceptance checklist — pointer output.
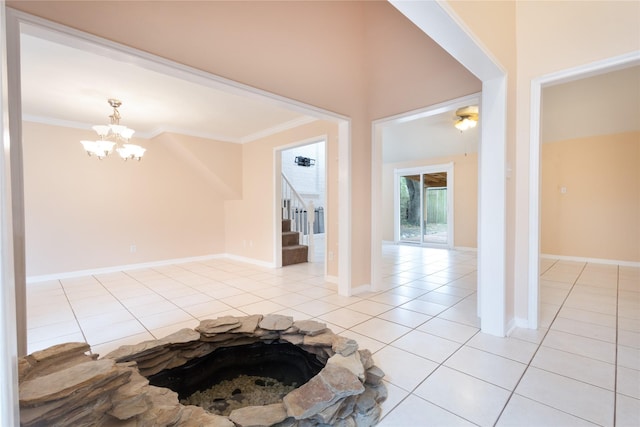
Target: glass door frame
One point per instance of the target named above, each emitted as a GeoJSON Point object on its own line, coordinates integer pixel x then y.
{"type": "Point", "coordinates": [424, 170]}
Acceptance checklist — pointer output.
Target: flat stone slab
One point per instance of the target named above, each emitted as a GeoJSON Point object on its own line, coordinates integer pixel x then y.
{"type": "Point", "coordinates": [308, 399]}
{"type": "Point", "coordinates": [374, 375]}
{"type": "Point", "coordinates": [367, 358]}
{"type": "Point", "coordinates": [195, 416]}
{"type": "Point", "coordinates": [341, 380]}
{"type": "Point", "coordinates": [248, 324]}
{"type": "Point", "coordinates": [344, 346]}
{"type": "Point", "coordinates": [276, 322]}
{"type": "Point", "coordinates": [351, 362]}
{"type": "Point", "coordinates": [320, 392]}
{"type": "Point", "coordinates": [324, 339]}
{"type": "Point", "coordinates": [310, 327]}
{"type": "Point", "coordinates": [219, 325]}
{"type": "Point", "coordinates": [126, 352]}
{"type": "Point", "coordinates": [259, 416]}
{"type": "Point", "coordinates": [60, 350]}
{"type": "Point", "coordinates": [63, 383]}
{"type": "Point", "coordinates": [183, 336]}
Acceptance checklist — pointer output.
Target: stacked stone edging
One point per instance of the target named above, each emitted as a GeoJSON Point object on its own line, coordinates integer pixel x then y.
{"type": "Point", "coordinates": [64, 386]}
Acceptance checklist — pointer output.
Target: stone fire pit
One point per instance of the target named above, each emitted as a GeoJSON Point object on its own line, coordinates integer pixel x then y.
{"type": "Point", "coordinates": [62, 385]}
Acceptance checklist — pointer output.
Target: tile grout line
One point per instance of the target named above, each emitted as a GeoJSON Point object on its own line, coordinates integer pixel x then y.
{"type": "Point", "coordinates": [124, 306]}
{"type": "Point", "coordinates": [615, 374]}
{"type": "Point", "coordinates": [74, 312]}
{"type": "Point", "coordinates": [136, 279]}
{"type": "Point", "coordinates": [513, 392]}
{"type": "Point", "coordinates": [393, 308]}
{"type": "Point", "coordinates": [412, 391]}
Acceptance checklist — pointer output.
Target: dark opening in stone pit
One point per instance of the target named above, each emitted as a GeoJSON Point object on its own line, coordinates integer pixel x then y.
{"type": "Point", "coordinates": [234, 377]}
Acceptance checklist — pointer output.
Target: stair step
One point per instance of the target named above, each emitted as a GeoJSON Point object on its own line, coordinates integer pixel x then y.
{"type": "Point", "coordinates": [294, 254]}
{"type": "Point", "coordinates": [286, 225]}
{"type": "Point", "coordinates": [290, 238]}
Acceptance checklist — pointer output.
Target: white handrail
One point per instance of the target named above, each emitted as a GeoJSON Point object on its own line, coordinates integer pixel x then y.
{"type": "Point", "coordinates": [291, 191]}
{"type": "Point", "coordinates": [295, 209]}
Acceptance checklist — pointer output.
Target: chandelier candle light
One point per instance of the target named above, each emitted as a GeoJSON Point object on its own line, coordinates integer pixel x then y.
{"type": "Point", "coordinates": [113, 135]}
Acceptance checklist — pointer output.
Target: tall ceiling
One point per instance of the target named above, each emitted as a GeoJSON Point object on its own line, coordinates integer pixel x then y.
{"type": "Point", "coordinates": [68, 83]}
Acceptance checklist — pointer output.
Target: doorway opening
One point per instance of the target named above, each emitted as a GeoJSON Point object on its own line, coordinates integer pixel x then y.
{"type": "Point", "coordinates": [303, 172]}
{"type": "Point", "coordinates": [537, 86]}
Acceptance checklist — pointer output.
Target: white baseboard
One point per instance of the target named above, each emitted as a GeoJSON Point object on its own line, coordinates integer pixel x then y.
{"type": "Point", "coordinates": [331, 279]}
{"type": "Point", "coordinates": [360, 289]}
{"type": "Point", "coordinates": [455, 248]}
{"type": "Point", "coordinates": [519, 322]}
{"type": "Point", "coordinates": [510, 327]}
{"type": "Point", "coordinates": [128, 267]}
{"type": "Point", "coordinates": [592, 260]}
{"type": "Point", "coordinates": [465, 248]}
{"type": "Point", "coordinates": [253, 261]}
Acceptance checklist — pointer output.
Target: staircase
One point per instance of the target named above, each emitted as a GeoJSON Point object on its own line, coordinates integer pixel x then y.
{"type": "Point", "coordinates": [297, 226]}
{"type": "Point", "coordinates": [292, 251]}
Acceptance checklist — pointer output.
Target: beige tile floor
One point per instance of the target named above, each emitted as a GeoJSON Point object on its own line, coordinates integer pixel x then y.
{"type": "Point", "coordinates": [581, 368]}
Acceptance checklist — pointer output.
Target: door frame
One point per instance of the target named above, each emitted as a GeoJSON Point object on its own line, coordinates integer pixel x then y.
{"type": "Point", "coordinates": [425, 170]}
{"type": "Point", "coordinates": [277, 167]}
{"type": "Point", "coordinates": [537, 84]}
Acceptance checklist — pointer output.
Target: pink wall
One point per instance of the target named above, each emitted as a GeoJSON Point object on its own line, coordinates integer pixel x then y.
{"type": "Point", "coordinates": [405, 69]}
{"type": "Point", "coordinates": [82, 213]}
{"type": "Point", "coordinates": [599, 214]}
{"type": "Point", "coordinates": [249, 221]}
{"type": "Point", "coordinates": [360, 59]}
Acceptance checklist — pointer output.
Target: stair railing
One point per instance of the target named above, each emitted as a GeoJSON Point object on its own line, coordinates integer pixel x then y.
{"type": "Point", "coordinates": [301, 214]}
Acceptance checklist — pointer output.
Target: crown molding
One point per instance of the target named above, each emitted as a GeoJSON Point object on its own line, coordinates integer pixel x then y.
{"type": "Point", "coordinates": [181, 131]}
{"type": "Point", "coordinates": [291, 124]}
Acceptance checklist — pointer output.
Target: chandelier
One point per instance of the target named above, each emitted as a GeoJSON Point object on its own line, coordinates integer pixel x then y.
{"type": "Point", "coordinates": [113, 135]}
{"type": "Point", "coordinates": [466, 118]}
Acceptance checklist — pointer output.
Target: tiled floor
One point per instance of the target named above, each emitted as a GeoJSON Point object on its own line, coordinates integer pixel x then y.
{"type": "Point", "coordinates": [581, 368]}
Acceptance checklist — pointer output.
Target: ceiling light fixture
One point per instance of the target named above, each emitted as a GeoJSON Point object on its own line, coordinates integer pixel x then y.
{"type": "Point", "coordinates": [113, 135]}
{"type": "Point", "coordinates": [466, 118]}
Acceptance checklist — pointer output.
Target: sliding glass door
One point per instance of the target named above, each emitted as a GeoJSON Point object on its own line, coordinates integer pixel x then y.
{"type": "Point", "coordinates": [424, 205]}
{"type": "Point", "coordinates": [410, 208]}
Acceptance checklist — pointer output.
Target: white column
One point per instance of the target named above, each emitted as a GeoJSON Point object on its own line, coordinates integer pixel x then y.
{"type": "Point", "coordinates": [9, 412]}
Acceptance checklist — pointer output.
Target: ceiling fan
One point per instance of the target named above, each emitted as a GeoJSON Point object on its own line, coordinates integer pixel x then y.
{"type": "Point", "coordinates": [466, 118]}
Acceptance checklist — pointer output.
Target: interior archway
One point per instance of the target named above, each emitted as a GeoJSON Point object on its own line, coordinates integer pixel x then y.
{"type": "Point", "coordinates": [438, 22]}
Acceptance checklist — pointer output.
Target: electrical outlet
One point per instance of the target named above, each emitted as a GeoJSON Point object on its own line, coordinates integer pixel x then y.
{"type": "Point", "coordinates": [132, 248]}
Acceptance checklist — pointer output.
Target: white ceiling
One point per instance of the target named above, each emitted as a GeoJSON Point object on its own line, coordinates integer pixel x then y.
{"type": "Point", "coordinates": [68, 85]}
{"type": "Point", "coordinates": [428, 137]}
{"type": "Point", "coordinates": [603, 104]}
